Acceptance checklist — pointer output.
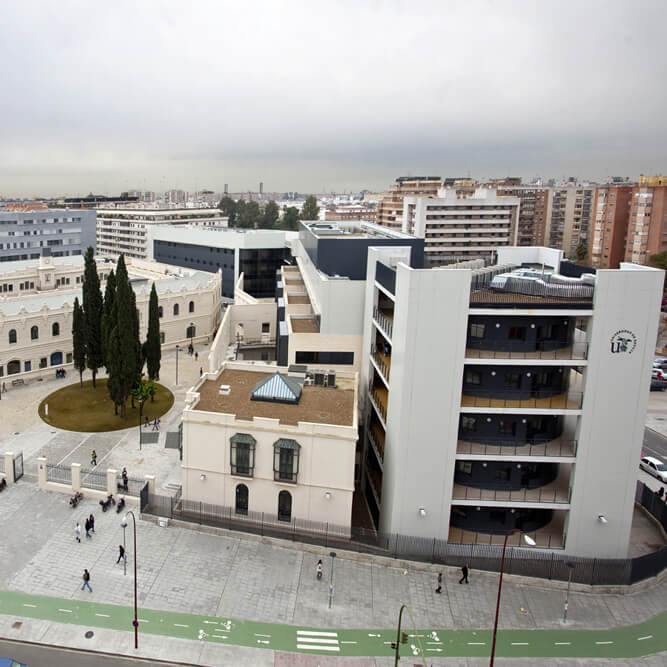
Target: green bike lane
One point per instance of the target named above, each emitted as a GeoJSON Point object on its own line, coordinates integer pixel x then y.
{"type": "Point", "coordinates": [624, 642]}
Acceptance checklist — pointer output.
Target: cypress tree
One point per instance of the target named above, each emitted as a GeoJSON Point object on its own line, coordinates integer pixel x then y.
{"type": "Point", "coordinates": [124, 351]}
{"type": "Point", "coordinates": [107, 322]}
{"type": "Point", "coordinates": [92, 308]}
{"type": "Point", "coordinates": [152, 347]}
{"type": "Point", "coordinates": [79, 339]}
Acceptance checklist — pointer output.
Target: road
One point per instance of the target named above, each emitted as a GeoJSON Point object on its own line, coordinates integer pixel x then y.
{"type": "Point", "coordinates": [625, 642]}
{"type": "Point", "coordinates": [37, 655]}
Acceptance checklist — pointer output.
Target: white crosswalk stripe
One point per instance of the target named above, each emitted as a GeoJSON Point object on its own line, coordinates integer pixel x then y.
{"type": "Point", "coordinates": [310, 640]}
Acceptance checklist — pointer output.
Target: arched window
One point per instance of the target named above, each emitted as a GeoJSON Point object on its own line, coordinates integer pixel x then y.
{"type": "Point", "coordinates": [284, 506]}
{"type": "Point", "coordinates": [191, 331]}
{"type": "Point", "coordinates": [13, 367]}
{"type": "Point", "coordinates": [34, 333]}
{"type": "Point", "coordinates": [12, 336]}
{"type": "Point", "coordinates": [160, 312]}
{"type": "Point", "coordinates": [191, 307]}
{"type": "Point", "coordinates": [55, 329]}
{"type": "Point", "coordinates": [175, 309]}
{"type": "Point", "coordinates": [56, 359]}
{"type": "Point", "coordinates": [241, 506]}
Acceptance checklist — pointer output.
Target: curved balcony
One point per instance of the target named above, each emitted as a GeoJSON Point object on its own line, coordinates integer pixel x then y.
{"type": "Point", "coordinates": [499, 520]}
{"type": "Point", "coordinates": [514, 382]}
{"type": "Point", "coordinates": [509, 429]}
{"type": "Point", "coordinates": [559, 447]}
{"type": "Point", "coordinates": [568, 400]}
{"type": "Point", "coordinates": [557, 492]}
{"type": "Point", "coordinates": [503, 475]}
{"type": "Point", "coordinates": [548, 535]}
{"type": "Point", "coordinates": [508, 350]}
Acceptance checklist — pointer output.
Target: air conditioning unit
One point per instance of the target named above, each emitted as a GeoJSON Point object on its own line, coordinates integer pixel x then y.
{"type": "Point", "coordinates": [309, 382]}
{"type": "Point", "coordinates": [225, 390]}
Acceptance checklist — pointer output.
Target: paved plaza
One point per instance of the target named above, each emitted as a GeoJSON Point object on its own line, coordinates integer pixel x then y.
{"type": "Point", "coordinates": [192, 574]}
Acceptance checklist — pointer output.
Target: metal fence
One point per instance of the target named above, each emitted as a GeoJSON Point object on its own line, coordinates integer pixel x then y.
{"type": "Point", "coordinates": [91, 479]}
{"type": "Point", "coordinates": [134, 486]}
{"type": "Point", "coordinates": [58, 473]}
{"type": "Point", "coordinates": [521, 561]}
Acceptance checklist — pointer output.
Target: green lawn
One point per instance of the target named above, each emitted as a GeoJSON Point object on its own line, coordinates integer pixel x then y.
{"type": "Point", "coordinates": [82, 408]}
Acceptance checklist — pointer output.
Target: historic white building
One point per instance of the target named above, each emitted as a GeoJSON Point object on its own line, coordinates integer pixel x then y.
{"type": "Point", "coordinates": [36, 319]}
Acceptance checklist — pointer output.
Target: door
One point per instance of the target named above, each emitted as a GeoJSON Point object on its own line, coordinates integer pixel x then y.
{"type": "Point", "coordinates": [242, 499]}
{"type": "Point", "coordinates": [284, 506]}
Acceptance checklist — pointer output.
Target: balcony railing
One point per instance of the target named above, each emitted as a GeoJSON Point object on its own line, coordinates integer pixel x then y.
{"type": "Point", "coordinates": [555, 492]}
{"type": "Point", "coordinates": [549, 537]}
{"type": "Point", "coordinates": [376, 444]}
{"type": "Point", "coordinates": [571, 400]}
{"type": "Point", "coordinates": [556, 447]}
{"type": "Point", "coordinates": [375, 481]}
{"type": "Point", "coordinates": [379, 400]}
{"type": "Point", "coordinates": [383, 361]}
{"type": "Point", "coordinates": [509, 350]}
{"type": "Point", "coordinates": [386, 323]}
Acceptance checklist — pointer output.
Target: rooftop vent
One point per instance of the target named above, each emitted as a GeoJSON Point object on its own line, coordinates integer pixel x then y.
{"type": "Point", "coordinates": [225, 390]}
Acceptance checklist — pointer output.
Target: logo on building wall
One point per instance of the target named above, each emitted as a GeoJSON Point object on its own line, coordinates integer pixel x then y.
{"type": "Point", "coordinates": [623, 341]}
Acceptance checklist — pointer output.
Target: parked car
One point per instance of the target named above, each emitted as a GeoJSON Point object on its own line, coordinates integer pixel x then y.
{"type": "Point", "coordinates": [8, 662]}
{"type": "Point", "coordinates": [660, 362]}
{"type": "Point", "coordinates": [654, 467]}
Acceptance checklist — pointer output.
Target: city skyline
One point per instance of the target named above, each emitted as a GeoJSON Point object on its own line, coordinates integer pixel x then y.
{"type": "Point", "coordinates": [337, 98]}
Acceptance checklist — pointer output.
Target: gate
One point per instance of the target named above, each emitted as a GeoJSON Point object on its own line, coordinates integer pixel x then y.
{"type": "Point", "coordinates": [143, 497]}
{"type": "Point", "coordinates": [18, 466]}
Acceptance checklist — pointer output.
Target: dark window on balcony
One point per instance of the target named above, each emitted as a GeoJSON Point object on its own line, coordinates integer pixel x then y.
{"type": "Point", "coordinates": [242, 454]}
{"type": "Point", "coordinates": [503, 473]}
{"type": "Point", "coordinates": [507, 427]}
{"type": "Point", "coordinates": [477, 330]}
{"type": "Point", "coordinates": [545, 331]}
{"type": "Point", "coordinates": [286, 460]}
{"type": "Point", "coordinates": [517, 333]}
{"type": "Point", "coordinates": [542, 379]}
{"type": "Point", "coordinates": [513, 380]}
{"type": "Point", "coordinates": [473, 377]}
{"type": "Point", "coordinates": [464, 467]}
{"type": "Point", "coordinates": [468, 423]}
{"type": "Point", "coordinates": [497, 516]}
{"type": "Point", "coordinates": [266, 327]}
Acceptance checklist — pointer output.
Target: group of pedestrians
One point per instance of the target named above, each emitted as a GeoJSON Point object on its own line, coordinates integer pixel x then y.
{"type": "Point", "coordinates": [89, 525]}
{"type": "Point", "coordinates": [464, 572]}
{"type": "Point", "coordinates": [155, 424]}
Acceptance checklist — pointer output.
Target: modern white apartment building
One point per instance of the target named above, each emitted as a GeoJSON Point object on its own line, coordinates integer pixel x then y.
{"type": "Point", "coordinates": [457, 226]}
{"type": "Point", "coordinates": [124, 230]}
{"type": "Point", "coordinates": [36, 322]}
{"type": "Point", "coordinates": [264, 443]}
{"type": "Point", "coordinates": [496, 401]}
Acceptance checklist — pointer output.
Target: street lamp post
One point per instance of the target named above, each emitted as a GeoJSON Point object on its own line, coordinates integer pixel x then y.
{"type": "Point", "coordinates": [331, 587]}
{"type": "Point", "coordinates": [124, 524]}
{"type": "Point", "coordinates": [177, 348]}
{"type": "Point", "coordinates": [135, 623]}
{"type": "Point", "coordinates": [570, 567]}
{"type": "Point", "coordinates": [530, 542]}
{"type": "Point", "coordinates": [141, 405]}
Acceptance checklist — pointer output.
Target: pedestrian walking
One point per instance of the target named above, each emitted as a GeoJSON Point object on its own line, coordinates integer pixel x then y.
{"type": "Point", "coordinates": [124, 476]}
{"type": "Point", "coordinates": [158, 425]}
{"type": "Point", "coordinates": [439, 588]}
{"type": "Point", "coordinates": [77, 532]}
{"type": "Point", "coordinates": [86, 581]}
{"type": "Point", "coordinates": [91, 518]}
{"type": "Point", "coordinates": [93, 458]}
{"type": "Point", "coordinates": [201, 370]}
{"type": "Point", "coordinates": [464, 572]}
{"type": "Point", "coordinates": [121, 554]}
{"type": "Point", "coordinates": [319, 569]}
{"type": "Point", "coordinates": [87, 527]}
{"type": "Point", "coordinates": [154, 425]}
{"type": "Point", "coordinates": [196, 356]}
{"type": "Point", "coordinates": [147, 423]}
{"type": "Point", "coordinates": [4, 388]}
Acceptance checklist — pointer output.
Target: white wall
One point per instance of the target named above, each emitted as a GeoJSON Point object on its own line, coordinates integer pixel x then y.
{"type": "Point", "coordinates": [614, 411]}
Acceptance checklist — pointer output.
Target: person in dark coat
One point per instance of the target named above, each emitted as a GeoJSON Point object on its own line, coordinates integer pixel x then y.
{"type": "Point", "coordinates": [439, 588]}
{"type": "Point", "coordinates": [91, 518]}
{"type": "Point", "coordinates": [464, 572]}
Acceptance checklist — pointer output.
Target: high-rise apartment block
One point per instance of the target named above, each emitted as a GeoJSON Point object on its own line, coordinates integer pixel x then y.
{"type": "Point", "coordinates": [610, 225]}
{"type": "Point", "coordinates": [389, 211]}
{"type": "Point", "coordinates": [457, 226]}
{"type": "Point", "coordinates": [647, 220]}
{"type": "Point", "coordinates": [533, 211]}
{"type": "Point", "coordinates": [570, 215]}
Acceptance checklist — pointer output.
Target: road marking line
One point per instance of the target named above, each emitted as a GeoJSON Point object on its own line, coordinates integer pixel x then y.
{"type": "Point", "coordinates": [430, 643]}
{"type": "Point", "coordinates": [348, 642]}
{"type": "Point", "coordinates": [603, 643]}
{"type": "Point", "coordinates": [105, 615]}
{"type": "Point", "coordinates": [220, 636]}
{"type": "Point", "coordinates": [180, 625]}
{"type": "Point", "coordinates": [256, 635]}
{"type": "Point", "coordinates": [34, 606]}
{"type": "Point", "coordinates": [476, 643]}
{"type": "Point", "coordinates": [310, 647]}
{"type": "Point", "coordinates": [641, 639]}
{"type": "Point", "coordinates": [315, 640]}
{"type": "Point", "coordinates": [263, 641]}
{"type": "Point", "coordinates": [562, 643]}
{"type": "Point", "coordinates": [143, 620]}
{"type": "Point", "coordinates": [415, 635]}
{"type": "Point", "coordinates": [212, 622]}
{"type": "Point", "coordinates": [67, 611]}
{"type": "Point", "coordinates": [370, 634]}
{"type": "Point", "coordinates": [520, 644]}
{"type": "Point", "coordinates": [317, 634]}
{"type": "Point", "coordinates": [439, 650]}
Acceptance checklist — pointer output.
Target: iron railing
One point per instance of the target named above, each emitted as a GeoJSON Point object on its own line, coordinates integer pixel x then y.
{"type": "Point", "coordinates": [380, 362]}
{"type": "Point", "coordinates": [58, 473]}
{"type": "Point", "coordinates": [92, 479]}
{"type": "Point", "coordinates": [567, 400]}
{"type": "Point", "coordinates": [134, 486]}
{"type": "Point", "coordinates": [559, 494]}
{"type": "Point", "coordinates": [510, 350]}
{"type": "Point", "coordinates": [554, 447]}
{"type": "Point", "coordinates": [385, 323]}
{"type": "Point", "coordinates": [377, 402]}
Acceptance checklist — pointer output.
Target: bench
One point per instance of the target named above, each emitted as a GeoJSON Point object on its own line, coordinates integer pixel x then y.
{"type": "Point", "coordinates": [18, 381]}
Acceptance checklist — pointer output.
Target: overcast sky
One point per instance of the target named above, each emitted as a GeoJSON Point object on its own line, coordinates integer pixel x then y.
{"type": "Point", "coordinates": [337, 95]}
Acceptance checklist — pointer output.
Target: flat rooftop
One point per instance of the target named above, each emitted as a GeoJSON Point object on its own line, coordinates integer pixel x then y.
{"type": "Point", "coordinates": [352, 229]}
{"type": "Point", "coordinates": [318, 405]}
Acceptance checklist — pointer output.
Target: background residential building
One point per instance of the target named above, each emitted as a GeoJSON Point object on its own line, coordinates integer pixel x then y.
{"type": "Point", "coordinates": [23, 234]}
{"type": "Point", "coordinates": [610, 225]}
{"type": "Point", "coordinates": [458, 226]}
{"type": "Point", "coordinates": [647, 220]}
{"type": "Point", "coordinates": [389, 212]}
{"type": "Point", "coordinates": [570, 217]}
